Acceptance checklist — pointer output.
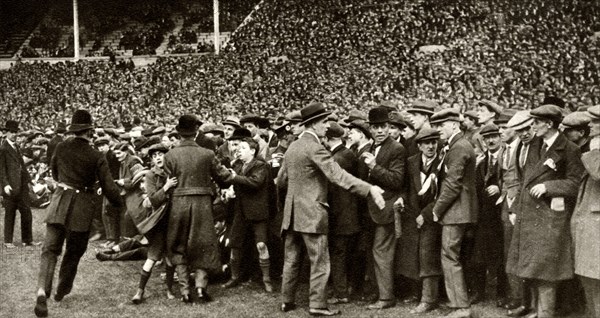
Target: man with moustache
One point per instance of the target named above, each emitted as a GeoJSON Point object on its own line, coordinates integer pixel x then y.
{"type": "Point", "coordinates": [386, 167]}
{"type": "Point", "coordinates": [540, 250]}
{"type": "Point", "coordinates": [307, 170]}
{"type": "Point", "coordinates": [456, 206]}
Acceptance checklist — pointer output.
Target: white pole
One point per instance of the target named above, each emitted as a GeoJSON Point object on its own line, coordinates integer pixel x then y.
{"type": "Point", "coordinates": [216, 25]}
{"type": "Point", "coordinates": [75, 31]}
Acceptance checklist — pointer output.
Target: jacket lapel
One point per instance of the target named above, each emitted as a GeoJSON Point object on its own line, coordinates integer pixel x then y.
{"type": "Point", "coordinates": [555, 152]}
{"type": "Point", "coordinates": [12, 151]}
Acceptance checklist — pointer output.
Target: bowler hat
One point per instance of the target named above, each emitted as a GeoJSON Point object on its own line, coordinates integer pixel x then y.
{"type": "Point", "coordinates": [379, 115]}
{"type": "Point", "coordinates": [520, 120]}
{"type": "Point", "coordinates": [188, 125]}
{"type": "Point", "coordinates": [489, 130]}
{"type": "Point", "coordinates": [313, 112]}
{"type": "Point", "coordinates": [594, 112]}
{"type": "Point", "coordinates": [554, 100]}
{"type": "Point", "coordinates": [549, 112]}
{"type": "Point", "coordinates": [577, 120]}
{"type": "Point", "coordinates": [360, 125]}
{"type": "Point", "coordinates": [448, 114]}
{"type": "Point", "coordinates": [240, 133]}
{"type": "Point", "coordinates": [334, 131]}
{"type": "Point", "coordinates": [81, 120]}
{"type": "Point", "coordinates": [250, 118]}
{"type": "Point", "coordinates": [426, 134]}
{"type": "Point", "coordinates": [423, 106]}
{"type": "Point", "coordinates": [12, 126]}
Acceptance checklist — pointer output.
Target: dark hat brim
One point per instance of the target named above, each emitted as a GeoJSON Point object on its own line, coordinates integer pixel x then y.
{"type": "Point", "coordinates": [428, 138]}
{"type": "Point", "coordinates": [79, 127]}
{"type": "Point", "coordinates": [315, 118]}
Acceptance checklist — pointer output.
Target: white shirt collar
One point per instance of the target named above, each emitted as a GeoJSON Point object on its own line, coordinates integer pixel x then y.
{"type": "Point", "coordinates": [12, 144]}
{"type": "Point", "coordinates": [336, 145]}
{"type": "Point", "coordinates": [550, 141]}
{"type": "Point", "coordinates": [513, 145]}
{"type": "Point", "coordinates": [452, 137]}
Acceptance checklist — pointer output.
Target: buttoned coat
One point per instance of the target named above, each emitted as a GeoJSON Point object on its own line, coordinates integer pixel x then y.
{"type": "Point", "coordinates": [388, 174]}
{"type": "Point", "coordinates": [251, 186]}
{"type": "Point", "coordinates": [419, 249]}
{"type": "Point", "coordinates": [457, 201]}
{"type": "Point", "coordinates": [77, 164]}
{"type": "Point", "coordinates": [307, 170]}
{"type": "Point", "coordinates": [13, 171]}
{"type": "Point", "coordinates": [343, 204]}
{"type": "Point", "coordinates": [541, 243]}
{"type": "Point", "coordinates": [585, 223]}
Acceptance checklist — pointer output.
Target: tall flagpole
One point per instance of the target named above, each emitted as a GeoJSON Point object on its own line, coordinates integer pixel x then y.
{"type": "Point", "coordinates": [75, 31]}
{"type": "Point", "coordinates": [216, 25]}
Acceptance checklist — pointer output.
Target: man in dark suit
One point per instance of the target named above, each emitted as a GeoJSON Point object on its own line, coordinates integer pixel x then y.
{"type": "Point", "coordinates": [456, 206]}
{"type": "Point", "coordinates": [307, 170]}
{"type": "Point", "coordinates": [251, 210]}
{"type": "Point", "coordinates": [14, 184]}
{"type": "Point", "coordinates": [385, 160]}
{"type": "Point", "coordinates": [344, 223]}
{"type": "Point", "coordinates": [76, 166]}
{"type": "Point", "coordinates": [540, 250]}
{"type": "Point", "coordinates": [487, 255]}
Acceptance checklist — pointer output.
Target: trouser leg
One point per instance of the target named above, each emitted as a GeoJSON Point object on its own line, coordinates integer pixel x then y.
{"type": "Point", "coordinates": [317, 248]}
{"type": "Point", "coordinates": [384, 246]}
{"type": "Point", "coordinates": [75, 248]}
{"type": "Point", "coordinates": [52, 248]}
{"type": "Point", "coordinates": [111, 219]}
{"type": "Point", "coordinates": [430, 289]}
{"type": "Point", "coordinates": [26, 219]}
{"type": "Point", "coordinates": [546, 298]}
{"type": "Point", "coordinates": [183, 279]}
{"type": "Point", "coordinates": [456, 289]}
{"type": "Point", "coordinates": [291, 266]}
{"type": "Point", "coordinates": [10, 211]}
{"type": "Point", "coordinates": [591, 287]}
{"type": "Point", "coordinates": [338, 253]}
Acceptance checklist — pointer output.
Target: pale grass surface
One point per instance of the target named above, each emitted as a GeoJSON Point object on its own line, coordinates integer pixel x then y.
{"type": "Point", "coordinates": [105, 289]}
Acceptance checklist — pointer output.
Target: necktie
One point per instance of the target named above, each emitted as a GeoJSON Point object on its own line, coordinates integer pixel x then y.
{"type": "Point", "coordinates": [506, 161]}
{"type": "Point", "coordinates": [523, 156]}
{"type": "Point", "coordinates": [544, 149]}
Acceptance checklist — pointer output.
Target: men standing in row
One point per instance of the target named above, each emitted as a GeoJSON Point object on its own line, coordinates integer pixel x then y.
{"type": "Point", "coordinates": [76, 166]}
{"type": "Point", "coordinates": [14, 186]}
{"type": "Point", "coordinates": [456, 206]}
{"type": "Point", "coordinates": [307, 169]}
{"type": "Point", "coordinates": [541, 246]}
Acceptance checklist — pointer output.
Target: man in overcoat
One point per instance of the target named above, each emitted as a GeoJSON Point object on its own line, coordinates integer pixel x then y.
{"type": "Point", "coordinates": [307, 170]}
{"type": "Point", "coordinates": [541, 246]}
{"type": "Point", "coordinates": [456, 206]}
{"type": "Point", "coordinates": [420, 243]}
{"type": "Point", "coordinates": [14, 186]}
{"type": "Point", "coordinates": [76, 166]}
{"type": "Point", "coordinates": [385, 160]}
{"type": "Point", "coordinates": [191, 238]}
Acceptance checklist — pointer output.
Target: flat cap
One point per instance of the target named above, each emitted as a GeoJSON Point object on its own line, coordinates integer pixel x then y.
{"type": "Point", "coordinates": [231, 121]}
{"type": "Point", "coordinates": [424, 106]}
{"type": "Point", "coordinates": [355, 114]}
{"type": "Point", "coordinates": [334, 131]}
{"type": "Point", "coordinates": [549, 112]}
{"type": "Point", "coordinates": [397, 120]}
{"type": "Point", "coordinates": [489, 130]}
{"type": "Point", "coordinates": [159, 147]}
{"type": "Point", "coordinates": [427, 134]}
{"type": "Point", "coordinates": [594, 112]}
{"type": "Point", "coordinates": [576, 119]}
{"type": "Point", "coordinates": [490, 105]}
{"type": "Point", "coordinates": [520, 120]}
{"type": "Point", "coordinates": [250, 118]}
{"type": "Point", "coordinates": [472, 114]}
{"type": "Point", "coordinates": [505, 116]}
{"type": "Point", "coordinates": [240, 133]}
{"type": "Point", "coordinates": [448, 114]}
{"type": "Point", "coordinates": [362, 126]}
{"type": "Point", "coordinates": [101, 141]}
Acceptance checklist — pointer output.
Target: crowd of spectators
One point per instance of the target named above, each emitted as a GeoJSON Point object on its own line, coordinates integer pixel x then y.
{"type": "Point", "coordinates": [349, 54]}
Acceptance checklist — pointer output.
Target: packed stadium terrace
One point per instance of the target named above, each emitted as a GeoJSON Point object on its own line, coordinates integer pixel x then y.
{"type": "Point", "coordinates": [349, 54]}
